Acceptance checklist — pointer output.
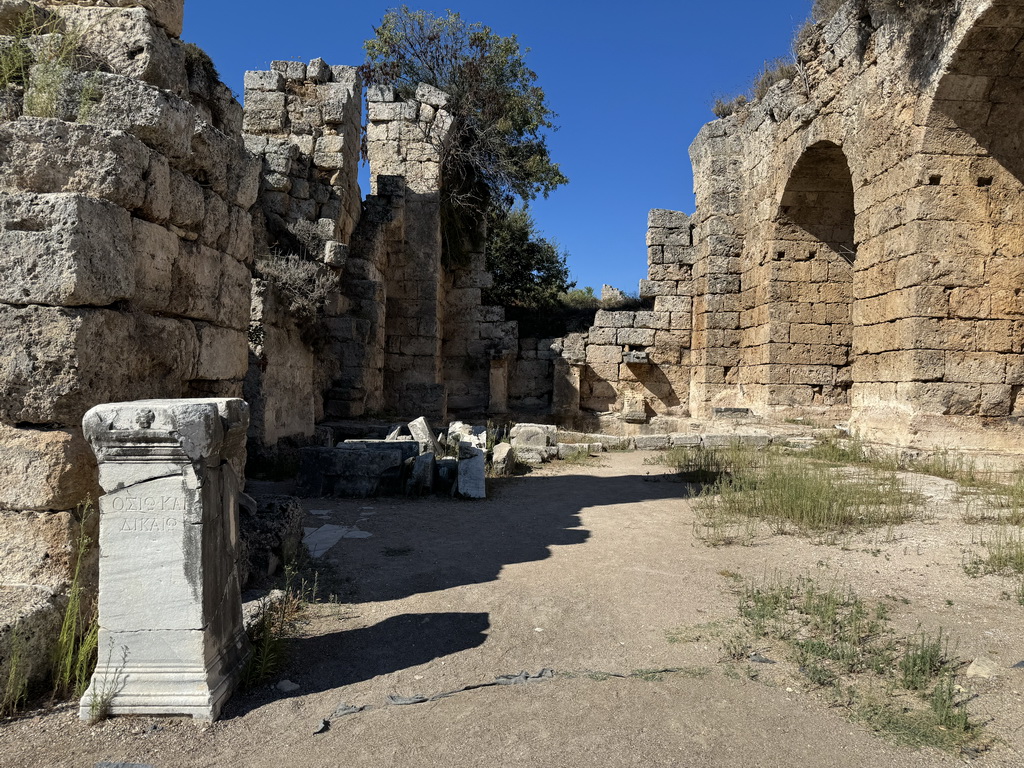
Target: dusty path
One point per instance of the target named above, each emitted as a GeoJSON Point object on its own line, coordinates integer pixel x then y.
{"type": "Point", "coordinates": [583, 570]}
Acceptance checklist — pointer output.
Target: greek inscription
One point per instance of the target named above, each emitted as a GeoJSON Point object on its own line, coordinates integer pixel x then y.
{"type": "Point", "coordinates": [147, 504]}
{"type": "Point", "coordinates": [148, 524]}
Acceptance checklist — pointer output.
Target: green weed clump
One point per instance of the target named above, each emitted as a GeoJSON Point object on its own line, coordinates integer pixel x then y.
{"type": "Point", "coordinates": [274, 623]}
{"type": "Point", "coordinates": [905, 688]}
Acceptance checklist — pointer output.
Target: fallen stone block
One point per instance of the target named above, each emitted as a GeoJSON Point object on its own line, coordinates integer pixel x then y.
{"type": "Point", "coordinates": [574, 450]}
{"type": "Point", "coordinates": [352, 469]}
{"type": "Point", "coordinates": [472, 482]}
{"type": "Point", "coordinates": [651, 442]}
{"type": "Point", "coordinates": [755, 440]}
{"type": "Point", "coordinates": [460, 432]}
{"type": "Point", "coordinates": [503, 460]}
{"type": "Point", "coordinates": [421, 479]}
{"type": "Point", "coordinates": [534, 435]}
{"type": "Point", "coordinates": [422, 432]}
{"type": "Point", "coordinates": [270, 532]}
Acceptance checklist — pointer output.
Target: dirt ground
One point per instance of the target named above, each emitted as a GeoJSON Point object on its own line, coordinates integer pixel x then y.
{"type": "Point", "coordinates": [587, 570]}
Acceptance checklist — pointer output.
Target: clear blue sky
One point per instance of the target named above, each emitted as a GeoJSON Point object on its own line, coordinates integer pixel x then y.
{"type": "Point", "coordinates": [632, 83]}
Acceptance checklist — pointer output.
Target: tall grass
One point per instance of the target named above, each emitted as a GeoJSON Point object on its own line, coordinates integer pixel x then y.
{"type": "Point", "coordinates": [75, 656]}
{"type": "Point", "coordinates": [746, 487]}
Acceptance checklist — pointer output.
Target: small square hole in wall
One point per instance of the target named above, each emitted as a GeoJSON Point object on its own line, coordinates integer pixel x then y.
{"type": "Point", "coordinates": [984, 181]}
{"type": "Point", "coordinates": [934, 180]}
{"type": "Point", "coordinates": [780, 255]}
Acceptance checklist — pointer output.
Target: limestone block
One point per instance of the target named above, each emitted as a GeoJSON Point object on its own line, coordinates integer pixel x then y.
{"type": "Point", "coordinates": [651, 288]}
{"type": "Point", "coordinates": [656, 320]}
{"type": "Point", "coordinates": [683, 440]}
{"type": "Point", "coordinates": [169, 14]}
{"type": "Point", "coordinates": [673, 304]}
{"type": "Point", "coordinates": [80, 357]}
{"type": "Point", "coordinates": [223, 353]}
{"type": "Point", "coordinates": [160, 119]}
{"type": "Point", "coordinates": [263, 81]}
{"type": "Point", "coordinates": [270, 534]}
{"type": "Point", "coordinates": [45, 469]}
{"type": "Point", "coordinates": [293, 70]}
{"type": "Point", "coordinates": [381, 111]}
{"type": "Point", "coordinates": [534, 436]}
{"type": "Point", "coordinates": [352, 469]}
{"type": "Point", "coordinates": [435, 97]}
{"type": "Point", "coordinates": [127, 40]}
{"type": "Point", "coordinates": [652, 442]}
{"type": "Point", "coordinates": [472, 472]}
{"type": "Point", "coordinates": [64, 249]}
{"type": "Point", "coordinates": [424, 435]}
{"type": "Point", "coordinates": [599, 353]}
{"type": "Point", "coordinates": [382, 93]}
{"type": "Point", "coordinates": [503, 460]}
{"type": "Point", "coordinates": [659, 217]}
{"type": "Point", "coordinates": [330, 152]}
{"type": "Point", "coordinates": [265, 112]}
{"type": "Point", "coordinates": [187, 201]}
{"type": "Point", "coordinates": [607, 319]}
{"type": "Point", "coordinates": [640, 337]}
{"type": "Point", "coordinates": [169, 521]}
{"type": "Point", "coordinates": [48, 155]}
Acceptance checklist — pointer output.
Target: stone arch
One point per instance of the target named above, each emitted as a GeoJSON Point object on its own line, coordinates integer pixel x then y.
{"type": "Point", "coordinates": [805, 287]}
{"type": "Point", "coordinates": [963, 269]}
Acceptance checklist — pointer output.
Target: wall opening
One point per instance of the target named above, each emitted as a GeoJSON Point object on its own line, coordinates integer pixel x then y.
{"type": "Point", "coordinates": [809, 295]}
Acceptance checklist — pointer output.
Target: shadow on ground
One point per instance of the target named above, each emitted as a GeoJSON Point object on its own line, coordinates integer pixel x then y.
{"type": "Point", "coordinates": [431, 545]}
{"type": "Point", "coordinates": [337, 659]}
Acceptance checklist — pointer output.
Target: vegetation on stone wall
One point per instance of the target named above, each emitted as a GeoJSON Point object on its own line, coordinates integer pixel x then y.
{"type": "Point", "coordinates": [305, 286]}
{"type": "Point", "coordinates": [497, 151]}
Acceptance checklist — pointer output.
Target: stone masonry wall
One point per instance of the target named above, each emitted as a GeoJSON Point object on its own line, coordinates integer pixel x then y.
{"type": "Point", "coordinates": [126, 245]}
{"type": "Point", "coordinates": [858, 233]}
{"type": "Point", "coordinates": [304, 123]}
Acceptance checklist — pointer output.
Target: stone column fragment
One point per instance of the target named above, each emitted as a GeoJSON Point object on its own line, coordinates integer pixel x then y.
{"type": "Point", "coordinates": [171, 637]}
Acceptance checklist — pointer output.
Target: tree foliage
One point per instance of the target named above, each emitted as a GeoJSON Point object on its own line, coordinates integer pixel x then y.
{"type": "Point", "coordinates": [528, 270]}
{"type": "Point", "coordinates": [497, 150]}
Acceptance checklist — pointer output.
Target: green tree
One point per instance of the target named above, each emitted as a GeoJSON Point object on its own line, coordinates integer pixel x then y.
{"type": "Point", "coordinates": [528, 270]}
{"type": "Point", "coordinates": [498, 151]}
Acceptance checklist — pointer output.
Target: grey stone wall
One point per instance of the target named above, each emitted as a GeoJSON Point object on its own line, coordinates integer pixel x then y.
{"type": "Point", "coordinates": [126, 244]}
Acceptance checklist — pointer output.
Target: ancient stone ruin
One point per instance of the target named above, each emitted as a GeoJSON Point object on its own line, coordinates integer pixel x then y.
{"type": "Point", "coordinates": [854, 256]}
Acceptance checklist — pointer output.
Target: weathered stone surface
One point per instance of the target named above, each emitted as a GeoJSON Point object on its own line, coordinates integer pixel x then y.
{"type": "Point", "coordinates": [167, 13]}
{"type": "Point", "coordinates": [64, 249]}
{"type": "Point", "coordinates": [160, 119]}
{"type": "Point", "coordinates": [168, 469]}
{"type": "Point", "coordinates": [48, 155]}
{"type": "Point", "coordinates": [472, 483]}
{"type": "Point", "coordinates": [352, 469]}
{"type": "Point", "coordinates": [421, 480]}
{"type": "Point", "coordinates": [45, 469]}
{"type": "Point", "coordinates": [503, 460]}
{"type": "Point", "coordinates": [59, 362]}
{"type": "Point", "coordinates": [533, 435]}
{"type": "Point", "coordinates": [423, 434]}
{"type": "Point", "coordinates": [130, 43]}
